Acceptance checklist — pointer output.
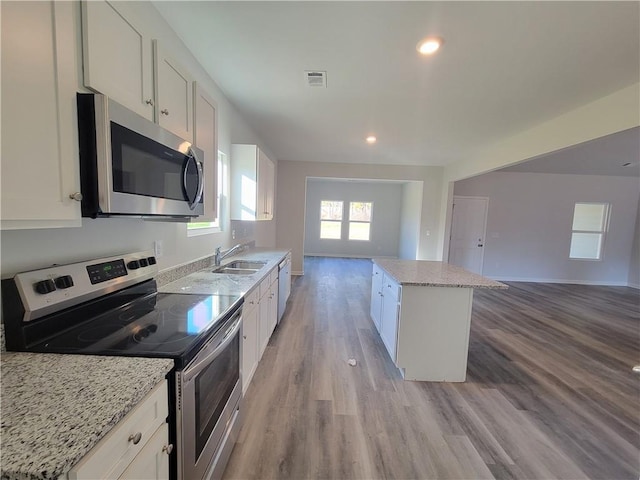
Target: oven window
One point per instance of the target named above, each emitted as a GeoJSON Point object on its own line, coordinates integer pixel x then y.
{"type": "Point", "coordinates": [213, 387]}
{"type": "Point", "coordinates": [142, 166]}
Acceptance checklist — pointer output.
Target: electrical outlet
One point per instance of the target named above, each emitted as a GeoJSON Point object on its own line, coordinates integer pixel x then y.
{"type": "Point", "coordinates": [157, 248]}
{"type": "Point", "coordinates": [233, 234]}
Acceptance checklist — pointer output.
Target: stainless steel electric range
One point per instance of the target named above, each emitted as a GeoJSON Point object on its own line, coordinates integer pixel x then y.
{"type": "Point", "coordinates": [111, 306]}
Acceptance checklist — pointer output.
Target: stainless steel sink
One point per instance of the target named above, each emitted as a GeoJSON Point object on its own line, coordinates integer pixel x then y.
{"type": "Point", "coordinates": [246, 264]}
{"type": "Point", "coordinates": [235, 271]}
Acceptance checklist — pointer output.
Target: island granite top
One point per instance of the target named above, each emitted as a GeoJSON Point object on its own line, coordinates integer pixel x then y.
{"type": "Point", "coordinates": [55, 408]}
{"type": "Point", "coordinates": [434, 274]}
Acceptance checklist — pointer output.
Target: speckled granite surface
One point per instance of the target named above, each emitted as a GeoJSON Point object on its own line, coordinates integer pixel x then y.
{"type": "Point", "coordinates": [55, 408]}
{"type": "Point", "coordinates": [206, 282]}
{"type": "Point", "coordinates": [434, 274]}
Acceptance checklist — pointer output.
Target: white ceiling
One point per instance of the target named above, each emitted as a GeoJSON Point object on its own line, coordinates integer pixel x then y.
{"type": "Point", "coordinates": [504, 67]}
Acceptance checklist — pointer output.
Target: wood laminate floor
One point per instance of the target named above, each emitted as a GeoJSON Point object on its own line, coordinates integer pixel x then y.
{"type": "Point", "coordinates": [549, 391]}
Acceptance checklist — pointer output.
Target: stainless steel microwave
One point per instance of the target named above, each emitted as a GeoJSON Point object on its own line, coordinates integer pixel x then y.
{"type": "Point", "coordinates": [130, 166]}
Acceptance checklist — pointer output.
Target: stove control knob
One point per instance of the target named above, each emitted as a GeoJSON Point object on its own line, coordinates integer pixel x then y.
{"type": "Point", "coordinates": [44, 286]}
{"type": "Point", "coordinates": [151, 260]}
{"type": "Point", "coordinates": [133, 265]}
{"type": "Point", "coordinates": [64, 282]}
{"type": "Point", "coordinates": [144, 262]}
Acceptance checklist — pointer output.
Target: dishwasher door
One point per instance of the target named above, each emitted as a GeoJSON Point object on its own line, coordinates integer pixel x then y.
{"type": "Point", "coordinates": [284, 285]}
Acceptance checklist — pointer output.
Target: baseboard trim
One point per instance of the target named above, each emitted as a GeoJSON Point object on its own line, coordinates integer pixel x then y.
{"type": "Point", "coordinates": [634, 285]}
{"type": "Point", "coordinates": [556, 280]}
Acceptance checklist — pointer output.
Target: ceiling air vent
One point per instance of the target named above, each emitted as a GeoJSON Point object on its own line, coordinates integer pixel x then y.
{"type": "Point", "coordinates": [316, 78]}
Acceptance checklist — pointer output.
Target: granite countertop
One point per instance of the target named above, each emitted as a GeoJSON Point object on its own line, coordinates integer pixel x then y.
{"type": "Point", "coordinates": [55, 408]}
{"type": "Point", "coordinates": [205, 282]}
{"type": "Point", "coordinates": [434, 274]}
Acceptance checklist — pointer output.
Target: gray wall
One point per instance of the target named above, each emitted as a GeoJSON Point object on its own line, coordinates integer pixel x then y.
{"type": "Point", "coordinates": [410, 220]}
{"type": "Point", "coordinates": [634, 268]}
{"type": "Point", "coordinates": [29, 249]}
{"type": "Point", "coordinates": [529, 225]}
{"type": "Point", "coordinates": [290, 200]}
{"type": "Point", "coordinates": [385, 225]}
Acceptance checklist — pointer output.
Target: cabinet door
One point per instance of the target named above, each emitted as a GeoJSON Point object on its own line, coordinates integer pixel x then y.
{"type": "Point", "coordinates": [174, 94]}
{"type": "Point", "coordinates": [152, 463]}
{"type": "Point", "coordinates": [40, 166]}
{"type": "Point", "coordinates": [206, 138]}
{"type": "Point", "coordinates": [265, 181]}
{"type": "Point", "coordinates": [273, 306]}
{"type": "Point", "coordinates": [117, 55]}
{"type": "Point", "coordinates": [390, 316]}
{"type": "Point", "coordinates": [263, 327]}
{"type": "Point", "coordinates": [376, 296]}
{"type": "Point", "coordinates": [249, 344]}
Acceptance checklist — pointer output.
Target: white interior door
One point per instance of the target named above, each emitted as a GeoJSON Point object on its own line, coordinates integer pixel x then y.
{"type": "Point", "coordinates": [468, 225]}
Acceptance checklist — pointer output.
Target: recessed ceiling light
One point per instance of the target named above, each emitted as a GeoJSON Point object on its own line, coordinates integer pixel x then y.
{"type": "Point", "coordinates": [371, 139]}
{"type": "Point", "coordinates": [429, 45]}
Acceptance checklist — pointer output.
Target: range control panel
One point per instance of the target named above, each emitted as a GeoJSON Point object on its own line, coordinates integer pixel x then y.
{"type": "Point", "coordinates": [52, 289]}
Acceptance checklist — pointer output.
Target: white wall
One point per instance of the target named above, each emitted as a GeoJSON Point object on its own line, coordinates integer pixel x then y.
{"type": "Point", "coordinates": [27, 249]}
{"type": "Point", "coordinates": [612, 113]}
{"type": "Point", "coordinates": [290, 200]}
{"type": "Point", "coordinates": [385, 226]}
{"type": "Point", "coordinates": [410, 220]}
{"type": "Point", "coordinates": [529, 225]}
{"type": "Point", "coordinates": [634, 268]}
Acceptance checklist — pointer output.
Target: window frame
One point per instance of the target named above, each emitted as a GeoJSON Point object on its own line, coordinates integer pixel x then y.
{"type": "Point", "coordinates": [369, 222]}
{"type": "Point", "coordinates": [340, 221]}
{"type": "Point", "coordinates": [196, 228]}
{"type": "Point", "coordinates": [602, 232]}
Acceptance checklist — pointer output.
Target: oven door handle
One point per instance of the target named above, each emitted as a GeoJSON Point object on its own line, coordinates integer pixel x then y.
{"type": "Point", "coordinates": [196, 368]}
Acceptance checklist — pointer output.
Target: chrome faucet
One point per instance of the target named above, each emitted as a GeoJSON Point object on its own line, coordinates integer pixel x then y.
{"type": "Point", "coordinates": [219, 256]}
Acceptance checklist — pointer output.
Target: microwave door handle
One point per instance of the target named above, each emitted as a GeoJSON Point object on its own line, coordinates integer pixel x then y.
{"type": "Point", "coordinates": [196, 368]}
{"type": "Point", "coordinates": [200, 190]}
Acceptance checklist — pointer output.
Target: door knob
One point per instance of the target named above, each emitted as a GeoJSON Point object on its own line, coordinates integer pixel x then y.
{"type": "Point", "coordinates": [77, 196]}
{"type": "Point", "coordinates": [164, 112]}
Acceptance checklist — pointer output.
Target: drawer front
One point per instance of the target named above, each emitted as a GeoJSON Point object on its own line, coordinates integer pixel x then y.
{"type": "Point", "coordinates": [152, 463]}
{"type": "Point", "coordinates": [111, 456]}
{"type": "Point", "coordinates": [391, 287]}
{"type": "Point", "coordinates": [251, 299]}
{"type": "Point", "coordinates": [273, 276]}
{"type": "Point", "coordinates": [264, 286]}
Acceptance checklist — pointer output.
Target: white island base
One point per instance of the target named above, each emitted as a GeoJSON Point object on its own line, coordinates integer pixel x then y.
{"type": "Point", "coordinates": [422, 311]}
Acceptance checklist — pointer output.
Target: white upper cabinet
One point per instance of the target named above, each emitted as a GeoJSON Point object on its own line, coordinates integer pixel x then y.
{"type": "Point", "coordinates": [174, 94]}
{"type": "Point", "coordinates": [122, 61]}
{"type": "Point", "coordinates": [40, 166]}
{"type": "Point", "coordinates": [206, 138]}
{"type": "Point", "coordinates": [117, 56]}
{"type": "Point", "coordinates": [252, 183]}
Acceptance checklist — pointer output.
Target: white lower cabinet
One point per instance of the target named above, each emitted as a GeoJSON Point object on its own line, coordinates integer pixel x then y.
{"type": "Point", "coordinates": [390, 314]}
{"type": "Point", "coordinates": [250, 313]}
{"type": "Point", "coordinates": [152, 463]}
{"type": "Point", "coordinates": [425, 329]}
{"type": "Point", "coordinates": [259, 318]}
{"type": "Point", "coordinates": [136, 448]}
{"type": "Point", "coordinates": [376, 295]}
{"type": "Point", "coordinates": [264, 320]}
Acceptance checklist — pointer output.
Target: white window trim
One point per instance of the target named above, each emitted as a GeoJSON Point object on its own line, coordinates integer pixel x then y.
{"type": "Point", "coordinates": [341, 221]}
{"type": "Point", "coordinates": [222, 189]}
{"type": "Point", "coordinates": [370, 222]}
{"type": "Point", "coordinates": [603, 232]}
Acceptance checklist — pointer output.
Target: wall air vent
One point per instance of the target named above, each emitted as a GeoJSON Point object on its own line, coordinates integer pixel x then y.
{"type": "Point", "coordinates": [316, 78]}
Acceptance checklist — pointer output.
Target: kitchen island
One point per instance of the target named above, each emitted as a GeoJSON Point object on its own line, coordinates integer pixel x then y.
{"type": "Point", "coordinates": [422, 310]}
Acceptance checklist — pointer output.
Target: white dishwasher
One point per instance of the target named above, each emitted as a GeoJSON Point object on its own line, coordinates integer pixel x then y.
{"type": "Point", "coordinates": [284, 285]}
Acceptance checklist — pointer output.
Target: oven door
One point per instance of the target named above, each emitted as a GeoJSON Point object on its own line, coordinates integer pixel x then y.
{"type": "Point", "coordinates": [208, 395]}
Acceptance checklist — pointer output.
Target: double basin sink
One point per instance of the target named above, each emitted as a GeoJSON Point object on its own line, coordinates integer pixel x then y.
{"type": "Point", "coordinates": [240, 267]}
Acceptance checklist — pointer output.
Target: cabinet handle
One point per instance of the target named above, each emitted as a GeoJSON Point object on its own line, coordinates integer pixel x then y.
{"type": "Point", "coordinates": [164, 112]}
{"type": "Point", "coordinates": [77, 196]}
{"type": "Point", "coordinates": [168, 449]}
{"type": "Point", "coordinates": [135, 438]}
{"type": "Point", "coordinates": [244, 336]}
{"type": "Point", "coordinates": [149, 102]}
